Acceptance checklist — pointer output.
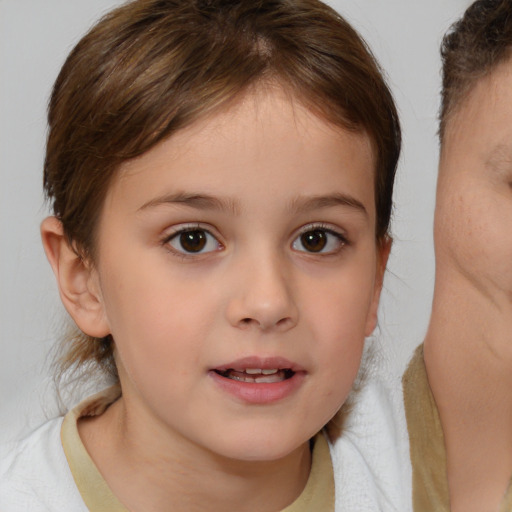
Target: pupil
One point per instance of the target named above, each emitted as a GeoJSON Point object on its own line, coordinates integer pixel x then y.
{"type": "Point", "coordinates": [314, 241]}
{"type": "Point", "coordinates": [193, 241]}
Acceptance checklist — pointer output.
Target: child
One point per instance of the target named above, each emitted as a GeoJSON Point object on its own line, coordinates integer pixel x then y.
{"type": "Point", "coordinates": [221, 175]}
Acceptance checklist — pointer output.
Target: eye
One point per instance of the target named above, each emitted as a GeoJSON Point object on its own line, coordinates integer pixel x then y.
{"type": "Point", "coordinates": [194, 241]}
{"type": "Point", "coordinates": [319, 240]}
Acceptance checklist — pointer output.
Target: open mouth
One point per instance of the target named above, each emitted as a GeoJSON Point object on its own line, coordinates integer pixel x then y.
{"type": "Point", "coordinates": [259, 380]}
{"type": "Point", "coordinates": [257, 375]}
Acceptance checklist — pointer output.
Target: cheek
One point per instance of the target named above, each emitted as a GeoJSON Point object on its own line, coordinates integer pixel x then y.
{"type": "Point", "coordinates": [346, 300]}
{"type": "Point", "coordinates": [491, 247]}
{"type": "Point", "coordinates": [338, 315]}
{"type": "Point", "coordinates": [338, 364]}
{"type": "Point", "coordinates": [160, 350]}
{"type": "Point", "coordinates": [475, 231]}
{"type": "Point", "coordinates": [155, 325]}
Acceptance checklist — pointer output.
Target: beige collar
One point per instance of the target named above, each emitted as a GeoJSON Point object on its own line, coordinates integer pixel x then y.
{"type": "Point", "coordinates": [426, 440]}
{"type": "Point", "coordinates": [318, 495]}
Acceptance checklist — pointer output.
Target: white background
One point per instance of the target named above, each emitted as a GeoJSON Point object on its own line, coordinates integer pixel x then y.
{"type": "Point", "coordinates": [35, 37]}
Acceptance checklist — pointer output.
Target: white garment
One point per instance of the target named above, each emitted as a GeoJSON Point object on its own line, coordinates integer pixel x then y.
{"type": "Point", "coordinates": [372, 465]}
{"type": "Point", "coordinates": [371, 461]}
{"type": "Point", "coordinates": [35, 476]}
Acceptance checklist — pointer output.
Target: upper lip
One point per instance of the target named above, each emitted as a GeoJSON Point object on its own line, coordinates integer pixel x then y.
{"type": "Point", "coordinates": [262, 363]}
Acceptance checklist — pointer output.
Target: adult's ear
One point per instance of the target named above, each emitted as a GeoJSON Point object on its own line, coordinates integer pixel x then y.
{"type": "Point", "coordinates": [77, 280]}
{"type": "Point", "coordinates": [383, 250]}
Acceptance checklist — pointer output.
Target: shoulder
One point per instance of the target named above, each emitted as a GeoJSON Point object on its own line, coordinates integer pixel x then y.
{"type": "Point", "coordinates": [34, 474]}
{"type": "Point", "coordinates": [371, 455]}
{"type": "Point", "coordinates": [427, 447]}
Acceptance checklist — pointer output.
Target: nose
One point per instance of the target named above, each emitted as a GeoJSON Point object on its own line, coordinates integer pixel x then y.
{"type": "Point", "coordinates": [262, 296]}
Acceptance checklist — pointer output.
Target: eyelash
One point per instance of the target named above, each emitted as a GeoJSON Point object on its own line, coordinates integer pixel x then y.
{"type": "Point", "coordinates": [326, 229]}
{"type": "Point", "coordinates": [310, 228]}
{"type": "Point", "coordinates": [190, 229]}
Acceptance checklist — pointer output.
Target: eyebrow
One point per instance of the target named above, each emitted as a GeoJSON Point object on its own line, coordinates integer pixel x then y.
{"type": "Point", "coordinates": [299, 205]}
{"type": "Point", "coordinates": [304, 205]}
{"type": "Point", "coordinates": [198, 201]}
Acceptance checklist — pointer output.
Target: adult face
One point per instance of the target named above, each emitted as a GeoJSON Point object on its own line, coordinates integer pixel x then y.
{"type": "Point", "coordinates": [473, 226]}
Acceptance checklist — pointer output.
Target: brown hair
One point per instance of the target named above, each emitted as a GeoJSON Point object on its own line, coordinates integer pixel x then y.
{"type": "Point", "coordinates": [471, 49]}
{"type": "Point", "coordinates": [153, 67]}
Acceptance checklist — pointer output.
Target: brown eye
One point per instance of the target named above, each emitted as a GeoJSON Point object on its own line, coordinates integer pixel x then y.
{"type": "Point", "coordinates": [194, 241]}
{"type": "Point", "coordinates": [314, 241]}
{"type": "Point", "coordinates": [320, 241]}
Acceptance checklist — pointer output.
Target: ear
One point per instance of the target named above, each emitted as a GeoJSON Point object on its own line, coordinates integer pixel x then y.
{"type": "Point", "coordinates": [383, 250]}
{"type": "Point", "coordinates": [77, 281]}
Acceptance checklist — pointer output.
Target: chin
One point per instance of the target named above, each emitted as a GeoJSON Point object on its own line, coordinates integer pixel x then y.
{"type": "Point", "coordinates": [256, 449]}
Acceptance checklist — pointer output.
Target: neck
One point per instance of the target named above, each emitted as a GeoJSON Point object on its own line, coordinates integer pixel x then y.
{"type": "Point", "coordinates": [468, 356]}
{"type": "Point", "coordinates": [186, 477]}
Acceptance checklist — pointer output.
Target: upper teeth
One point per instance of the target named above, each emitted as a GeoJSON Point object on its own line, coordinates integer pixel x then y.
{"type": "Point", "coordinates": [259, 371]}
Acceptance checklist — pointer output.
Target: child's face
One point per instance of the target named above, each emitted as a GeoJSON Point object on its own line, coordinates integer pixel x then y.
{"type": "Point", "coordinates": [243, 243]}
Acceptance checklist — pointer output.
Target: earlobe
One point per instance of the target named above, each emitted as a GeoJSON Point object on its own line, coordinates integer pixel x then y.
{"type": "Point", "coordinates": [77, 281]}
{"type": "Point", "coordinates": [384, 249]}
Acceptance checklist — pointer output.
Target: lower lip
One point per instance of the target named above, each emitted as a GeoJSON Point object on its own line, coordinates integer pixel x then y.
{"type": "Point", "coordinates": [264, 393]}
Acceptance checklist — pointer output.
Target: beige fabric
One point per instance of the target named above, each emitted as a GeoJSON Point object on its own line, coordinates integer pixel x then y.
{"type": "Point", "coordinates": [318, 495]}
{"type": "Point", "coordinates": [95, 492]}
{"type": "Point", "coordinates": [506, 504]}
{"type": "Point", "coordinates": [426, 441]}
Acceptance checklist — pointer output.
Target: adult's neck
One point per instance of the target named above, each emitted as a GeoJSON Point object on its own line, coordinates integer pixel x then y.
{"type": "Point", "coordinates": [468, 357]}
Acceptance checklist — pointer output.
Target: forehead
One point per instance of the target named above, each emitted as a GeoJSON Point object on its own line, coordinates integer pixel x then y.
{"type": "Point", "coordinates": [259, 160]}
{"type": "Point", "coordinates": [481, 126]}
{"type": "Point", "coordinates": [268, 132]}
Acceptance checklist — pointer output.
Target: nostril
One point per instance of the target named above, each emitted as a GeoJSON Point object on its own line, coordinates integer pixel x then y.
{"type": "Point", "coordinates": [246, 323]}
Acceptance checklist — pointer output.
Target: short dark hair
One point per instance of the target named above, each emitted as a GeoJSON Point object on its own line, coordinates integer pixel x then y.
{"type": "Point", "coordinates": [471, 49]}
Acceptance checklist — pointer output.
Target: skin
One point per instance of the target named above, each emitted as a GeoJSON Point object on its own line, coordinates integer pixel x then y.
{"type": "Point", "coordinates": [254, 290]}
{"type": "Point", "coordinates": [468, 353]}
